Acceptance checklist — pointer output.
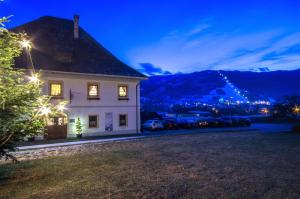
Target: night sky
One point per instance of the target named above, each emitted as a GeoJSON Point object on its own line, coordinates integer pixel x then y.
{"type": "Point", "coordinates": [182, 36]}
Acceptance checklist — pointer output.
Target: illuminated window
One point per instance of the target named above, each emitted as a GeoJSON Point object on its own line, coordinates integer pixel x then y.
{"type": "Point", "coordinates": [93, 121]}
{"type": "Point", "coordinates": [93, 90]}
{"type": "Point", "coordinates": [122, 120]}
{"type": "Point", "coordinates": [56, 89]}
{"type": "Point", "coordinates": [123, 91]}
{"type": "Point", "coordinates": [56, 121]}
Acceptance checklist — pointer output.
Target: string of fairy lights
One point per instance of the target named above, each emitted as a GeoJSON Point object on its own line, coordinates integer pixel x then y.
{"type": "Point", "coordinates": [44, 110]}
{"type": "Point", "coordinates": [237, 91]}
{"type": "Point", "coordinates": [241, 94]}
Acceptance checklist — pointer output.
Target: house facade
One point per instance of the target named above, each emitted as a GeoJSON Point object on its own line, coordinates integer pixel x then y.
{"type": "Point", "coordinates": [100, 91]}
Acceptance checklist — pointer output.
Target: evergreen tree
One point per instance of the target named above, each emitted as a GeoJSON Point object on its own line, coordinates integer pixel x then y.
{"type": "Point", "coordinates": [23, 108]}
{"type": "Point", "coordinates": [78, 126]}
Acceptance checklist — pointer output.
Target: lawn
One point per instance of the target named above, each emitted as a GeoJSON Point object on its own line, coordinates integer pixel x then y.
{"type": "Point", "coordinates": [207, 165]}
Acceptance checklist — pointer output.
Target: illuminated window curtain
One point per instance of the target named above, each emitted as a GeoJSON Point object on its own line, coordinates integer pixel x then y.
{"type": "Point", "coordinates": [122, 91]}
{"type": "Point", "coordinates": [56, 89]}
{"type": "Point", "coordinates": [93, 90]}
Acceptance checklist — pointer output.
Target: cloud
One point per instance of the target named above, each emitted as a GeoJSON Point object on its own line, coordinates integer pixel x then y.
{"type": "Point", "coordinates": [204, 47]}
{"type": "Point", "coordinates": [150, 69]}
{"type": "Point", "coordinates": [264, 69]}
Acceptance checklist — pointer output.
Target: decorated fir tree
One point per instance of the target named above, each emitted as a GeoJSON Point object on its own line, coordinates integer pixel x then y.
{"type": "Point", "coordinates": [23, 107]}
{"type": "Point", "coordinates": [78, 126]}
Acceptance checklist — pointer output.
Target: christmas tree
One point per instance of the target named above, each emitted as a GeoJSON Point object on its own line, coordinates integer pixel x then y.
{"type": "Point", "coordinates": [23, 107]}
{"type": "Point", "coordinates": [78, 126]}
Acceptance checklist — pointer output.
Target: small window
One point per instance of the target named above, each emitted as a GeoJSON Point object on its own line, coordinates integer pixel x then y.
{"type": "Point", "coordinates": [123, 120]}
{"type": "Point", "coordinates": [56, 121]}
{"type": "Point", "coordinates": [93, 121]}
{"type": "Point", "coordinates": [123, 91]}
{"type": "Point", "coordinates": [93, 90]}
{"type": "Point", "coordinates": [56, 89]}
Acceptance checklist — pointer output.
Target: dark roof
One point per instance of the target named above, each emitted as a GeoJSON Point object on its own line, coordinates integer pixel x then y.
{"type": "Point", "coordinates": [55, 49]}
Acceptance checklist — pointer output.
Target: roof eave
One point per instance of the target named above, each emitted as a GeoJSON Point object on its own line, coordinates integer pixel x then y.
{"type": "Point", "coordinates": [97, 75]}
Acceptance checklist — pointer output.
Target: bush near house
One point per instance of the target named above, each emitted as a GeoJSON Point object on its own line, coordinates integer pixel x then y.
{"type": "Point", "coordinates": [23, 108]}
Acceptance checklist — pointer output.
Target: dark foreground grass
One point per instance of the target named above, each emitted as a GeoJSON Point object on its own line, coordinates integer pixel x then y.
{"type": "Point", "coordinates": [215, 165]}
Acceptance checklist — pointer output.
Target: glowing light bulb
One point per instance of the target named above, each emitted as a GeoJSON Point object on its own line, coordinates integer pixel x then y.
{"type": "Point", "coordinates": [33, 79]}
{"type": "Point", "coordinates": [61, 107]}
{"type": "Point", "coordinates": [297, 109]}
{"type": "Point", "coordinates": [44, 110]}
{"type": "Point", "coordinates": [25, 44]}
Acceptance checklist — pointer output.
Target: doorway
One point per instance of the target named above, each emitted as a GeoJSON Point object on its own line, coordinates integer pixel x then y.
{"type": "Point", "coordinates": [109, 122]}
{"type": "Point", "coordinates": [56, 128]}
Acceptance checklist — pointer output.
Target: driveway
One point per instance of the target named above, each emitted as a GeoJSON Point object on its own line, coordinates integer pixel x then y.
{"type": "Point", "coordinates": [261, 127]}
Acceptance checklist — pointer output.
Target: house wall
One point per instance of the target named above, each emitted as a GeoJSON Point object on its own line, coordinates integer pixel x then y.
{"type": "Point", "coordinates": [80, 106]}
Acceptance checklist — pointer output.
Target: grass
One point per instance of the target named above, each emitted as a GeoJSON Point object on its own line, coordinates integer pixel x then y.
{"type": "Point", "coordinates": [208, 165]}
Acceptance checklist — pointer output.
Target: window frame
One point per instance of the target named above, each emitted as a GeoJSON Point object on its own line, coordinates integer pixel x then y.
{"type": "Point", "coordinates": [97, 121]}
{"type": "Point", "coordinates": [123, 97]}
{"type": "Point", "coordinates": [126, 119]}
{"type": "Point", "coordinates": [61, 96]}
{"type": "Point", "coordinates": [97, 97]}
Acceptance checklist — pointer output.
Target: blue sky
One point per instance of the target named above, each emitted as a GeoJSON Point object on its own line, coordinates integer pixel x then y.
{"type": "Point", "coordinates": [183, 36]}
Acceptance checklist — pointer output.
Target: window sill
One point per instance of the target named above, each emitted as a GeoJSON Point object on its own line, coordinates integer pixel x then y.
{"type": "Point", "coordinates": [93, 98]}
{"type": "Point", "coordinates": [123, 98]}
{"type": "Point", "coordinates": [93, 127]}
{"type": "Point", "coordinates": [57, 97]}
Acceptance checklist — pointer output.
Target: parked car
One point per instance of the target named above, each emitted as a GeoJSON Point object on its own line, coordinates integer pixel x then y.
{"type": "Point", "coordinates": [183, 123]}
{"type": "Point", "coordinates": [226, 122]}
{"type": "Point", "coordinates": [202, 123]}
{"type": "Point", "coordinates": [192, 123]}
{"type": "Point", "coordinates": [236, 121]}
{"type": "Point", "coordinates": [206, 122]}
{"type": "Point", "coordinates": [153, 125]}
{"type": "Point", "coordinates": [243, 121]}
{"type": "Point", "coordinates": [170, 123]}
{"type": "Point", "coordinates": [186, 123]}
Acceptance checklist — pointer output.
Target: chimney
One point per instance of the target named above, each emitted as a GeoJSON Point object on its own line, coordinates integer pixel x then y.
{"type": "Point", "coordinates": [76, 26]}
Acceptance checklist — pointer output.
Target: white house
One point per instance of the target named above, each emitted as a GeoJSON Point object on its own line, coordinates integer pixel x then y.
{"type": "Point", "coordinates": [101, 90]}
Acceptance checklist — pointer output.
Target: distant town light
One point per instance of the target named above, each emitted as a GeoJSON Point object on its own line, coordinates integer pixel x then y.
{"type": "Point", "coordinates": [296, 109]}
{"type": "Point", "coordinates": [265, 111]}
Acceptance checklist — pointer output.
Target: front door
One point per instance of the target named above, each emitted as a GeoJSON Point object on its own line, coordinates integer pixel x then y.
{"type": "Point", "coordinates": [56, 128]}
{"type": "Point", "coordinates": [108, 121]}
